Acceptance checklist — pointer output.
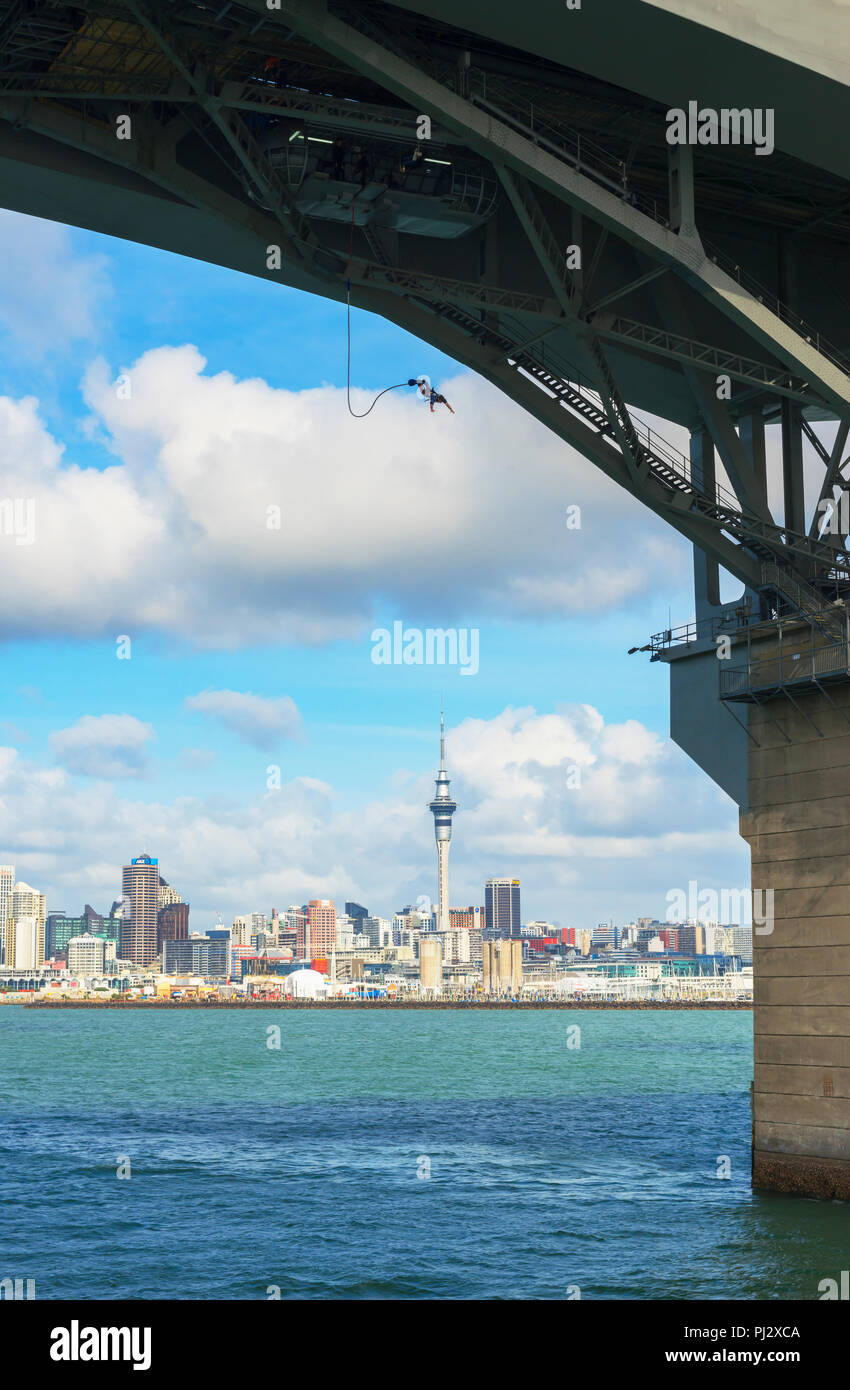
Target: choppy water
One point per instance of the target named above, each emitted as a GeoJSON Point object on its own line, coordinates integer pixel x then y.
{"type": "Point", "coordinates": [550, 1167]}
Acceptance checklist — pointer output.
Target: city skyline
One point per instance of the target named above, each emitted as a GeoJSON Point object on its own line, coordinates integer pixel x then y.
{"type": "Point", "coordinates": [241, 727]}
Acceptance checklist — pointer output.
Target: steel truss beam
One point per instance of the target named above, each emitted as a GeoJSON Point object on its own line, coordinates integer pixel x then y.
{"type": "Point", "coordinates": [676, 347]}
{"type": "Point", "coordinates": [502, 144]}
{"type": "Point", "coordinates": [240, 139]}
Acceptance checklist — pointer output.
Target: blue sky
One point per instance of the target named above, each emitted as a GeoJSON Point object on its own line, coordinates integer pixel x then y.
{"type": "Point", "coordinates": [213, 607]}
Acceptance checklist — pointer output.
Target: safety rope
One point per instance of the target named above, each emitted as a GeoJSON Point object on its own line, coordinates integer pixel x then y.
{"type": "Point", "coordinates": [357, 415]}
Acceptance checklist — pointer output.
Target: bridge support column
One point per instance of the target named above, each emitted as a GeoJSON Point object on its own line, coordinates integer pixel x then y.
{"type": "Point", "coordinates": [798, 828]}
{"type": "Point", "coordinates": [706, 573]}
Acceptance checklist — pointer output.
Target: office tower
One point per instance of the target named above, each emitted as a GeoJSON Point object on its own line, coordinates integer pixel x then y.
{"type": "Point", "coordinates": [7, 879]}
{"type": "Point", "coordinates": [471, 918]}
{"type": "Point", "coordinates": [316, 930]}
{"type": "Point", "coordinates": [378, 930]}
{"type": "Point", "coordinates": [172, 923]}
{"type": "Point", "coordinates": [430, 963]}
{"type": "Point", "coordinates": [140, 881]}
{"type": "Point", "coordinates": [58, 931]}
{"type": "Point", "coordinates": [442, 809]}
{"type": "Point", "coordinates": [26, 903]}
{"type": "Point", "coordinates": [356, 912]}
{"type": "Point", "coordinates": [501, 904]}
{"type": "Point", "coordinates": [166, 894]}
{"type": "Point", "coordinates": [86, 955]}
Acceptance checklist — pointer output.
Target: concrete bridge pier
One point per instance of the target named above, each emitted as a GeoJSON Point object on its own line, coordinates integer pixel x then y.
{"type": "Point", "coordinates": [780, 747]}
{"type": "Point", "coordinates": [798, 829]}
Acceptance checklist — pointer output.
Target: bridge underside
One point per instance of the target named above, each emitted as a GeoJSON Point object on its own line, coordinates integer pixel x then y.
{"type": "Point", "coordinates": [501, 185]}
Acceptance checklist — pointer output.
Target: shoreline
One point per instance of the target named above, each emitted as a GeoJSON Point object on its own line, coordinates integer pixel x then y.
{"type": "Point", "coordinates": [384, 1005]}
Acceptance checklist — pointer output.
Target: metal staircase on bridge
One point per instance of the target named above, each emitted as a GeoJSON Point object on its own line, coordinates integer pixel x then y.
{"type": "Point", "coordinates": [665, 464]}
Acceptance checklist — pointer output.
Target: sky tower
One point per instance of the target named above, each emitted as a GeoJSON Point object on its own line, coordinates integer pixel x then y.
{"type": "Point", "coordinates": [443, 809]}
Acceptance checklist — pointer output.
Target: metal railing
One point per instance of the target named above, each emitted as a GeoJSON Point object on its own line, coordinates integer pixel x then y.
{"type": "Point", "coordinates": [581, 153]}
{"type": "Point", "coordinates": [795, 668]}
{"type": "Point", "coordinates": [776, 306]}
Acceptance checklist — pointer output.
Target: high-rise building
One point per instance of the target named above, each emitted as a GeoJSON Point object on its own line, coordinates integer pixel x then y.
{"type": "Point", "coordinates": [316, 930]}
{"type": "Point", "coordinates": [442, 808]}
{"type": "Point", "coordinates": [172, 923]}
{"type": "Point", "coordinates": [7, 880]}
{"type": "Point", "coordinates": [27, 903]}
{"type": "Point", "coordinates": [501, 904]}
{"type": "Point", "coordinates": [356, 912]}
{"type": "Point", "coordinates": [167, 894]}
{"type": "Point", "coordinates": [140, 881]}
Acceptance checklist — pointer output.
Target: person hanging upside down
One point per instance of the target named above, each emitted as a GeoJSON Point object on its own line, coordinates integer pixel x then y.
{"type": "Point", "coordinates": [436, 399]}
{"type": "Point", "coordinates": [426, 392]}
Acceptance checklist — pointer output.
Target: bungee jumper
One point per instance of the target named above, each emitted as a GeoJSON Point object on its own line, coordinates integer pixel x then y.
{"type": "Point", "coordinates": [427, 393]}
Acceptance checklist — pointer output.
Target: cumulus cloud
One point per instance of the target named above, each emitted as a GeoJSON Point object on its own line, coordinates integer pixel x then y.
{"type": "Point", "coordinates": [255, 719]}
{"type": "Point", "coordinates": [451, 520]}
{"type": "Point", "coordinates": [104, 745]}
{"type": "Point", "coordinates": [640, 821]}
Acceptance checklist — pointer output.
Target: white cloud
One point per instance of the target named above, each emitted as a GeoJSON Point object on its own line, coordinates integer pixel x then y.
{"type": "Point", "coordinates": [450, 520]}
{"type": "Point", "coordinates": [256, 719]}
{"type": "Point", "coordinates": [643, 821]}
{"type": "Point", "coordinates": [104, 745]}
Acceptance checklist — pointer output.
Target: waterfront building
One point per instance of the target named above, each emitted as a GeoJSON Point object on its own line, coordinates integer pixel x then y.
{"type": "Point", "coordinates": [442, 808]}
{"type": "Point", "coordinates": [208, 956]}
{"type": "Point", "coordinates": [502, 909]}
{"type": "Point", "coordinates": [86, 955]}
{"type": "Point", "coordinates": [140, 881]}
